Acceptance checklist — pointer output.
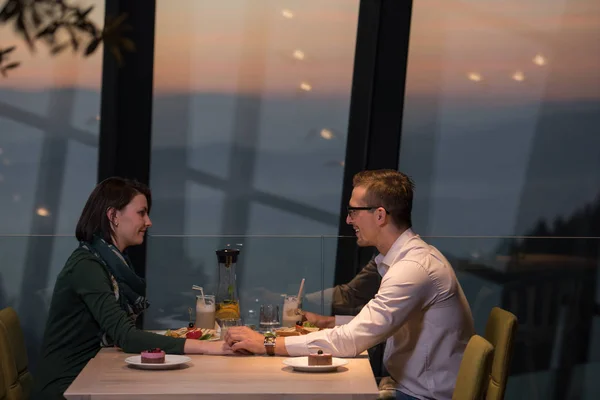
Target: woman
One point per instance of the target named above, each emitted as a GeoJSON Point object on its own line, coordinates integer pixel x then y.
{"type": "Point", "coordinates": [97, 296]}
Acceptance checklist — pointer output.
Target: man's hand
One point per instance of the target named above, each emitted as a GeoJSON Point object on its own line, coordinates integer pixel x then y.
{"type": "Point", "coordinates": [319, 321]}
{"type": "Point", "coordinates": [242, 338]}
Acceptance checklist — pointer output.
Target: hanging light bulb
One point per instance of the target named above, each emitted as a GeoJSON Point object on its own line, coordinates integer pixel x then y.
{"type": "Point", "coordinates": [474, 76]}
{"type": "Point", "coordinates": [518, 76]}
{"type": "Point", "coordinates": [539, 60]}
{"type": "Point", "coordinates": [305, 86]}
{"type": "Point", "coordinates": [42, 212]}
{"type": "Point", "coordinates": [298, 55]}
{"type": "Point", "coordinates": [326, 134]}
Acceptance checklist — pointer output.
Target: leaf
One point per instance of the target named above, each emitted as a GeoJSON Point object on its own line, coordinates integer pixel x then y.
{"type": "Point", "coordinates": [47, 31]}
{"type": "Point", "coordinates": [7, 50]}
{"type": "Point", "coordinates": [11, 8]}
{"type": "Point", "coordinates": [127, 44]}
{"type": "Point", "coordinates": [22, 29]}
{"type": "Point", "coordinates": [92, 46]}
{"type": "Point", "coordinates": [117, 54]}
{"type": "Point", "coordinates": [59, 48]}
{"type": "Point", "coordinates": [74, 41]}
{"type": "Point", "coordinates": [84, 14]}
{"type": "Point", "coordinates": [35, 17]}
{"type": "Point", "coordinates": [12, 65]}
{"type": "Point", "coordinates": [206, 336]}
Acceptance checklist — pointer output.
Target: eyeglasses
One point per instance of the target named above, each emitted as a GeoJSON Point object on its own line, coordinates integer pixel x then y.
{"type": "Point", "coordinates": [351, 210]}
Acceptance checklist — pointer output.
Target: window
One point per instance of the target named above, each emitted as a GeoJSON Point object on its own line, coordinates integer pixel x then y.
{"type": "Point", "coordinates": [249, 128]}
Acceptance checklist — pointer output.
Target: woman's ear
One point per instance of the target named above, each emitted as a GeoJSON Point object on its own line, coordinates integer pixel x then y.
{"type": "Point", "coordinates": [111, 214]}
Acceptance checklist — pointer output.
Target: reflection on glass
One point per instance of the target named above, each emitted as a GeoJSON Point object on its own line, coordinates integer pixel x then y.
{"type": "Point", "coordinates": [298, 55]}
{"type": "Point", "coordinates": [474, 76]}
{"type": "Point", "coordinates": [518, 76]}
{"type": "Point", "coordinates": [43, 212]}
{"type": "Point", "coordinates": [287, 14]}
{"type": "Point", "coordinates": [307, 87]}
{"type": "Point", "coordinates": [539, 60]}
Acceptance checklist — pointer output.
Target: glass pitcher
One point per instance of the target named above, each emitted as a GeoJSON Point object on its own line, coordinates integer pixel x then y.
{"type": "Point", "coordinates": [228, 306]}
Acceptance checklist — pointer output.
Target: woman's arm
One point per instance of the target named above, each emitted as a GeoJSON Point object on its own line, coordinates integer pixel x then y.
{"type": "Point", "coordinates": [193, 346]}
{"type": "Point", "coordinates": [91, 282]}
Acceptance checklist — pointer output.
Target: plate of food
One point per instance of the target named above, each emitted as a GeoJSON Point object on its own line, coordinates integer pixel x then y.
{"type": "Point", "coordinates": [319, 362]}
{"type": "Point", "coordinates": [190, 332]}
{"type": "Point", "coordinates": [157, 359]}
{"type": "Point", "coordinates": [296, 330]}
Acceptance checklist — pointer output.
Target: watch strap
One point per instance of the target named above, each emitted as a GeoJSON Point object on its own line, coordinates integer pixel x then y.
{"type": "Point", "coordinates": [270, 345]}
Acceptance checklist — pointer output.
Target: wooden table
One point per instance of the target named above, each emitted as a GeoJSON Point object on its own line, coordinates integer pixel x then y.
{"type": "Point", "coordinates": [107, 376]}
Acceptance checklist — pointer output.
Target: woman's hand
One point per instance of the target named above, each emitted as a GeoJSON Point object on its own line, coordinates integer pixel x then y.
{"type": "Point", "coordinates": [217, 348]}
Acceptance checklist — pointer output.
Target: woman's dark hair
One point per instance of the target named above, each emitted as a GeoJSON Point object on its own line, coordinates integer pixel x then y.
{"type": "Point", "coordinates": [114, 193]}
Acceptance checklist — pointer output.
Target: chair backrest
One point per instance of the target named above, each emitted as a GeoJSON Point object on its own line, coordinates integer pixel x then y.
{"type": "Point", "coordinates": [10, 387]}
{"type": "Point", "coordinates": [474, 371]}
{"type": "Point", "coordinates": [500, 331]}
{"type": "Point", "coordinates": [16, 338]}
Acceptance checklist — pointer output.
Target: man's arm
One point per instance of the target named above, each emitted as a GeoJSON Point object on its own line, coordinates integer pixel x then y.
{"type": "Point", "coordinates": [350, 298]}
{"type": "Point", "coordinates": [405, 288]}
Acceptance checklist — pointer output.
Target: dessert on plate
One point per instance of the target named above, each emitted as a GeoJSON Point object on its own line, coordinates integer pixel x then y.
{"type": "Point", "coordinates": [319, 359]}
{"type": "Point", "coordinates": [153, 356]}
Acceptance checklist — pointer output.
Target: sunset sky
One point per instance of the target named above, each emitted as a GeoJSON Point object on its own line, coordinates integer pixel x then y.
{"type": "Point", "coordinates": [273, 47]}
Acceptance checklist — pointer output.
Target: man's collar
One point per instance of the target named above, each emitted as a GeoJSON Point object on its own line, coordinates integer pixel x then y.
{"type": "Point", "coordinates": [384, 262]}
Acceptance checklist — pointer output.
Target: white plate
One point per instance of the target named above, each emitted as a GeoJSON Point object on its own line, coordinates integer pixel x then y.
{"type": "Point", "coordinates": [301, 364]}
{"type": "Point", "coordinates": [171, 361]}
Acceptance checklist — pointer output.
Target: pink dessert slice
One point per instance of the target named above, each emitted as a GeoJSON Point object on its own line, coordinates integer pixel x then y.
{"type": "Point", "coordinates": [153, 356]}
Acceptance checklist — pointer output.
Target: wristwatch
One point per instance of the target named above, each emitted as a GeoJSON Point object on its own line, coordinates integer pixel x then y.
{"type": "Point", "coordinates": [270, 345]}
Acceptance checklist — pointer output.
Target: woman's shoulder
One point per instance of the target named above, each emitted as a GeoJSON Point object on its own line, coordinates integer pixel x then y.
{"type": "Point", "coordinates": [83, 261]}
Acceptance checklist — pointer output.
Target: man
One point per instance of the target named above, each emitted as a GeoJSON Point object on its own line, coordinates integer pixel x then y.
{"type": "Point", "coordinates": [419, 309]}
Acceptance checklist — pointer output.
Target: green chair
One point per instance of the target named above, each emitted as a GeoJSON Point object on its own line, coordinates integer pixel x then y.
{"type": "Point", "coordinates": [474, 372]}
{"type": "Point", "coordinates": [500, 331]}
{"type": "Point", "coordinates": [8, 316]}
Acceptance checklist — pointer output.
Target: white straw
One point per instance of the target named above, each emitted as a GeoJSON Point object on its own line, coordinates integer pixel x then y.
{"type": "Point", "coordinates": [195, 287]}
{"type": "Point", "coordinates": [300, 291]}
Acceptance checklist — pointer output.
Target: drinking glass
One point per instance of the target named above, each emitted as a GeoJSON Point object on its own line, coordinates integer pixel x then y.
{"type": "Point", "coordinates": [228, 323]}
{"type": "Point", "coordinates": [269, 317]}
{"type": "Point", "coordinates": [291, 311]}
{"type": "Point", "coordinates": [205, 312]}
